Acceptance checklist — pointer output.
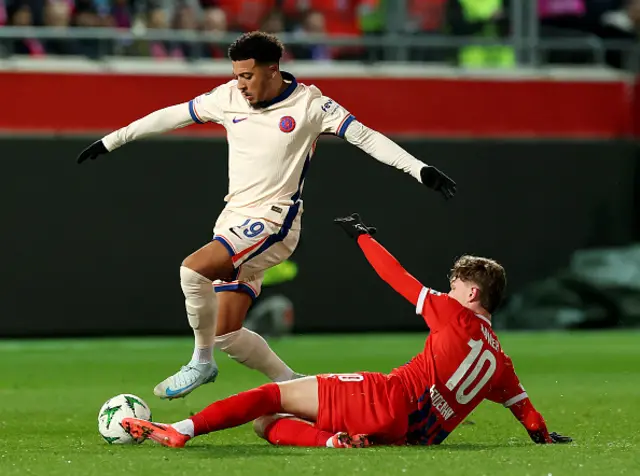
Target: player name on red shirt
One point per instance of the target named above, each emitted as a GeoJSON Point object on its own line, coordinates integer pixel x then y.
{"type": "Point", "coordinates": [440, 404]}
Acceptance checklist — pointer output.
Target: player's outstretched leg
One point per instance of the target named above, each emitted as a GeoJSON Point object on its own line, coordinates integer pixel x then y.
{"type": "Point", "coordinates": [166, 435]}
{"type": "Point", "coordinates": [298, 397]}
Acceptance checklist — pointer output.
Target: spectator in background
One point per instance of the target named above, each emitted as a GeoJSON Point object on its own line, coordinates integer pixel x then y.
{"type": "Point", "coordinates": [215, 24]}
{"type": "Point", "coordinates": [564, 19]}
{"type": "Point", "coordinates": [312, 26]}
{"type": "Point", "coordinates": [425, 18]}
{"type": "Point", "coordinates": [372, 21]}
{"type": "Point", "coordinates": [57, 14]}
{"type": "Point", "coordinates": [273, 22]}
{"type": "Point", "coordinates": [585, 19]}
{"type": "Point", "coordinates": [120, 14]}
{"type": "Point", "coordinates": [484, 18]}
{"type": "Point", "coordinates": [185, 18]}
{"type": "Point", "coordinates": [613, 20]}
{"type": "Point", "coordinates": [20, 14]}
{"type": "Point", "coordinates": [156, 19]}
{"type": "Point", "coordinates": [340, 15]}
{"type": "Point", "coordinates": [4, 17]}
{"type": "Point", "coordinates": [85, 15]}
{"type": "Point", "coordinates": [247, 15]}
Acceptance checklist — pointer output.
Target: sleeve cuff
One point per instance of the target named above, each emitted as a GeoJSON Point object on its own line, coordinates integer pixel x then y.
{"type": "Point", "coordinates": [421, 299]}
{"type": "Point", "coordinates": [515, 399]}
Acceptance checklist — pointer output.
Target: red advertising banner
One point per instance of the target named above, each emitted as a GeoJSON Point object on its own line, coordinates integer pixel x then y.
{"type": "Point", "coordinates": [36, 102]}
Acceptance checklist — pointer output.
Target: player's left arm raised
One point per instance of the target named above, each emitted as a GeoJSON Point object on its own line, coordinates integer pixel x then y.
{"type": "Point", "coordinates": [337, 120]}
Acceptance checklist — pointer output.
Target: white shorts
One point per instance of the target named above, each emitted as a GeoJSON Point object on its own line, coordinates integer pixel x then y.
{"type": "Point", "coordinates": [255, 244]}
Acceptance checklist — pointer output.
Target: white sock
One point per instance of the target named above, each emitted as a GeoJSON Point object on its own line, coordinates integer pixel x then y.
{"type": "Point", "coordinates": [251, 350]}
{"type": "Point", "coordinates": [201, 305]}
{"type": "Point", "coordinates": [185, 427]}
{"type": "Point", "coordinates": [202, 355]}
{"type": "Point", "coordinates": [329, 442]}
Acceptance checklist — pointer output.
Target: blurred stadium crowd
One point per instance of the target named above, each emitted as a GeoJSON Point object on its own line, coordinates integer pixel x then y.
{"type": "Point", "coordinates": [311, 19]}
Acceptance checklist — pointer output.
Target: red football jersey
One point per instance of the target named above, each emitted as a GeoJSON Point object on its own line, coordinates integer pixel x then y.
{"type": "Point", "coordinates": [461, 365]}
{"type": "Point", "coordinates": [462, 362]}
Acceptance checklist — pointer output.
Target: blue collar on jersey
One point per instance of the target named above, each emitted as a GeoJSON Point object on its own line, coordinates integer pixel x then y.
{"type": "Point", "coordinates": [286, 93]}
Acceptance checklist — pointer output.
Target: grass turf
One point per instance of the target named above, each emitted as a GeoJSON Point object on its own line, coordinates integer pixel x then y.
{"type": "Point", "coordinates": [586, 385]}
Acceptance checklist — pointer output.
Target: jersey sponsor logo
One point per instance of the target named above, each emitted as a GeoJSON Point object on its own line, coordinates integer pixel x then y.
{"type": "Point", "coordinates": [276, 209]}
{"type": "Point", "coordinates": [330, 106]}
{"type": "Point", "coordinates": [239, 119]}
{"type": "Point", "coordinates": [492, 341]}
{"type": "Point", "coordinates": [440, 404]}
{"type": "Point", "coordinates": [287, 124]}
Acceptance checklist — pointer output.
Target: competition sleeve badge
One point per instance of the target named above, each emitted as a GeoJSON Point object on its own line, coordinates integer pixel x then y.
{"type": "Point", "coordinates": [287, 124]}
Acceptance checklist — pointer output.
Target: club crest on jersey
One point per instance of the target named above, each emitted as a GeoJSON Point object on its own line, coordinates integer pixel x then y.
{"type": "Point", "coordinates": [287, 124]}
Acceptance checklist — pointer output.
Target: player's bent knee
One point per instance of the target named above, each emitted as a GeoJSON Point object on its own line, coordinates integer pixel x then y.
{"type": "Point", "coordinates": [261, 424]}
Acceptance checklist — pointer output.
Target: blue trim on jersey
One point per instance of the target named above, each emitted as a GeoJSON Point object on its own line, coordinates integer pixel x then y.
{"type": "Point", "coordinates": [343, 129]}
{"type": "Point", "coordinates": [287, 92]}
{"type": "Point", "coordinates": [192, 111]}
{"type": "Point", "coordinates": [305, 169]}
{"type": "Point", "coordinates": [226, 245]}
{"type": "Point", "coordinates": [424, 428]}
{"type": "Point", "coordinates": [288, 220]}
{"type": "Point", "coordinates": [235, 287]}
{"type": "Point", "coordinates": [281, 235]}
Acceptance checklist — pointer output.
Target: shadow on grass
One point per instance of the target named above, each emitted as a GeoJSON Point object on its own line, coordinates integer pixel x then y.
{"type": "Point", "coordinates": [249, 450]}
{"type": "Point", "coordinates": [245, 450]}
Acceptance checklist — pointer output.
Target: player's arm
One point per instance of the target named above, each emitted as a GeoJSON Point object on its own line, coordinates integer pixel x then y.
{"type": "Point", "coordinates": [200, 110]}
{"type": "Point", "coordinates": [512, 395]}
{"type": "Point", "coordinates": [384, 263]}
{"type": "Point", "coordinates": [336, 120]}
{"type": "Point", "coordinates": [435, 308]}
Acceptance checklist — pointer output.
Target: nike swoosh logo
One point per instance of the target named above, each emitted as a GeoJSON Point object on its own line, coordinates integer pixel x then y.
{"type": "Point", "coordinates": [171, 393]}
{"type": "Point", "coordinates": [236, 120]}
{"type": "Point", "coordinates": [233, 231]}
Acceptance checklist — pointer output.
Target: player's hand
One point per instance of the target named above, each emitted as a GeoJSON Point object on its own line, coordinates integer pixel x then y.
{"type": "Point", "coordinates": [353, 226]}
{"type": "Point", "coordinates": [93, 151]}
{"type": "Point", "coordinates": [557, 438]}
{"type": "Point", "coordinates": [542, 437]}
{"type": "Point", "coordinates": [438, 181]}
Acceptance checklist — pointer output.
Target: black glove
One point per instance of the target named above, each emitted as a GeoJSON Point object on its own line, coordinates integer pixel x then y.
{"type": "Point", "coordinates": [541, 438]}
{"type": "Point", "coordinates": [92, 152]}
{"type": "Point", "coordinates": [438, 181]}
{"type": "Point", "coordinates": [354, 227]}
{"type": "Point", "coordinates": [557, 438]}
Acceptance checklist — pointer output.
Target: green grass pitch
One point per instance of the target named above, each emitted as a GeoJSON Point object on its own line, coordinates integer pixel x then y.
{"type": "Point", "coordinates": [587, 385]}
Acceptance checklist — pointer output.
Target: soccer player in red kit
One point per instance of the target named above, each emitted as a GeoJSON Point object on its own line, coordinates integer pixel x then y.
{"type": "Point", "coordinates": [419, 403]}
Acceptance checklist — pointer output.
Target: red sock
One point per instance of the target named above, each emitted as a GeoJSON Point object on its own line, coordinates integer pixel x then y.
{"type": "Point", "coordinates": [288, 432]}
{"type": "Point", "coordinates": [238, 409]}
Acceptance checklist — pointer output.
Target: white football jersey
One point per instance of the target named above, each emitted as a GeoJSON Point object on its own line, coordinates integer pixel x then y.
{"type": "Point", "coordinates": [270, 148]}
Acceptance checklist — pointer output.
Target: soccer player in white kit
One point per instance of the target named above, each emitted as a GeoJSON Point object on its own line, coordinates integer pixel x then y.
{"type": "Point", "coordinates": [272, 123]}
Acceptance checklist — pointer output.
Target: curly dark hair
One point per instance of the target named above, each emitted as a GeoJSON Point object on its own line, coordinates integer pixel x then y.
{"type": "Point", "coordinates": [258, 45]}
{"type": "Point", "coordinates": [488, 274]}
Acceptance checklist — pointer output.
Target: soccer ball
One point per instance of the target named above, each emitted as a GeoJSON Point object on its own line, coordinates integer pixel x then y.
{"type": "Point", "coordinates": [114, 411]}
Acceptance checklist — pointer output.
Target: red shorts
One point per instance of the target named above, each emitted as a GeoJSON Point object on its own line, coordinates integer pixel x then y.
{"type": "Point", "coordinates": [367, 403]}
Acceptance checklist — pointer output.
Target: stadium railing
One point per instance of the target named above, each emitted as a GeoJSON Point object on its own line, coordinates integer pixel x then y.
{"type": "Point", "coordinates": [529, 50]}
